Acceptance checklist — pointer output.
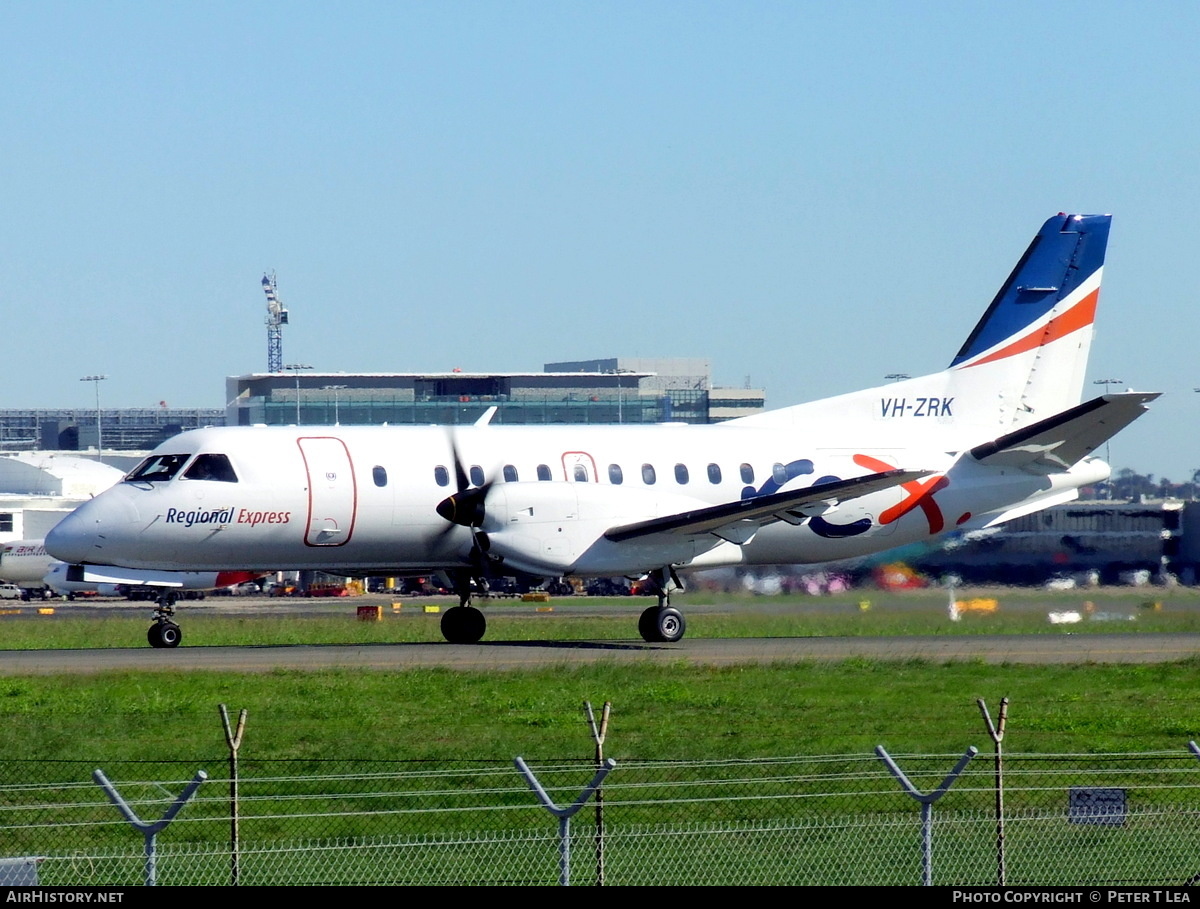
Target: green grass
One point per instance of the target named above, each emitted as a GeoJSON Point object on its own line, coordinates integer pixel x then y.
{"type": "Point", "coordinates": [660, 712]}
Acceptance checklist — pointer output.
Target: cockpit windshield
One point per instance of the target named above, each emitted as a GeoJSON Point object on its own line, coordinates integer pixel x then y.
{"type": "Point", "coordinates": [157, 468]}
{"type": "Point", "coordinates": [211, 467]}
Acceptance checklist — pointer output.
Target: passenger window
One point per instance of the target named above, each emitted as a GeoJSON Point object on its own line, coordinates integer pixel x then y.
{"type": "Point", "coordinates": [543, 472]}
{"type": "Point", "coordinates": [379, 475]}
{"type": "Point", "coordinates": [476, 475]}
{"type": "Point", "coordinates": [157, 468]}
{"type": "Point", "coordinates": [580, 473]}
{"type": "Point", "coordinates": [615, 476]}
{"type": "Point", "coordinates": [648, 476]}
{"type": "Point", "coordinates": [747, 473]}
{"type": "Point", "coordinates": [510, 474]}
{"type": "Point", "coordinates": [441, 475]}
{"type": "Point", "coordinates": [211, 467]}
{"type": "Point", "coordinates": [714, 473]}
{"type": "Point", "coordinates": [681, 474]}
{"type": "Point", "coordinates": [779, 473]}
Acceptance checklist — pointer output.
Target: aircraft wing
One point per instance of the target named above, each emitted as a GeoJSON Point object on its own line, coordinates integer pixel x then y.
{"type": "Point", "coordinates": [1057, 442]}
{"type": "Point", "coordinates": [737, 521]}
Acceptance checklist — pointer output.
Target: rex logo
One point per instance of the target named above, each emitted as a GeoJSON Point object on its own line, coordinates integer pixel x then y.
{"type": "Point", "coordinates": [920, 494]}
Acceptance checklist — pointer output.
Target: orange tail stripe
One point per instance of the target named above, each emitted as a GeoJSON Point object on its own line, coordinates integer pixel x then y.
{"type": "Point", "coordinates": [1081, 315]}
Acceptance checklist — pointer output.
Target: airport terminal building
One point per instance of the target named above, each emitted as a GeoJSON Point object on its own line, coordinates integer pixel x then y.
{"type": "Point", "coordinates": [615, 390]}
{"type": "Point", "coordinates": [121, 428]}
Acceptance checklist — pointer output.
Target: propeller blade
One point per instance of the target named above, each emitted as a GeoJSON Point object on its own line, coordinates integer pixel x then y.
{"type": "Point", "coordinates": [466, 508]}
{"type": "Point", "coordinates": [462, 482]}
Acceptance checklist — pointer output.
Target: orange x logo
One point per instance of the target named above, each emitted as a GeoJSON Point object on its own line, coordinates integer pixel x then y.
{"type": "Point", "coordinates": [920, 493]}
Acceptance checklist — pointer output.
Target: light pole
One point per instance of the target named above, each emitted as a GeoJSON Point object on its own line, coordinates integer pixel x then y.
{"type": "Point", "coordinates": [335, 389]}
{"type": "Point", "coordinates": [1195, 473]}
{"type": "Point", "coordinates": [1107, 448]}
{"type": "Point", "coordinates": [621, 393]}
{"type": "Point", "coordinates": [96, 380]}
{"type": "Point", "coordinates": [1106, 383]}
{"type": "Point", "coordinates": [295, 368]}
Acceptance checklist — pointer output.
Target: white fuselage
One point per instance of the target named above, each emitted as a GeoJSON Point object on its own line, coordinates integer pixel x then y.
{"type": "Point", "coordinates": [363, 499]}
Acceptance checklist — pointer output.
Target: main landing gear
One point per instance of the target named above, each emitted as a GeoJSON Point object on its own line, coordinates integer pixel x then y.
{"type": "Point", "coordinates": [164, 632]}
{"type": "Point", "coordinates": [662, 624]}
{"type": "Point", "coordinates": [463, 624]}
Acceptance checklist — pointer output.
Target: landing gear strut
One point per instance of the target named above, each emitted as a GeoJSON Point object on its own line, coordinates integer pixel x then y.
{"type": "Point", "coordinates": [662, 624]}
{"type": "Point", "coordinates": [164, 632]}
{"type": "Point", "coordinates": [463, 624]}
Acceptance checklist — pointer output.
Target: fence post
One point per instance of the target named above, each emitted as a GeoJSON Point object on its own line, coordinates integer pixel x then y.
{"type": "Point", "coordinates": [564, 814]}
{"type": "Point", "coordinates": [149, 831]}
{"type": "Point", "coordinates": [1195, 878]}
{"type": "Point", "coordinates": [234, 740]}
{"type": "Point", "coordinates": [997, 734]}
{"type": "Point", "coordinates": [926, 802]}
{"type": "Point", "coordinates": [598, 736]}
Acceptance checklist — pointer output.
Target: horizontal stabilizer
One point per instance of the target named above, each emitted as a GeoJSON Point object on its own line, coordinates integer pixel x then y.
{"type": "Point", "coordinates": [758, 510]}
{"type": "Point", "coordinates": [1066, 438]}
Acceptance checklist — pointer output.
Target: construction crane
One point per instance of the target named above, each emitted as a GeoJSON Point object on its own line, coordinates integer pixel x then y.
{"type": "Point", "coordinates": [277, 317]}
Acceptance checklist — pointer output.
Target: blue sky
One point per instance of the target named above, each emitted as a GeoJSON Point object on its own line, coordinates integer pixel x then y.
{"type": "Point", "coordinates": [811, 195]}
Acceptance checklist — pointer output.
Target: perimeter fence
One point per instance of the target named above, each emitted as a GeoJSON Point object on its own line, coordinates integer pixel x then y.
{"type": "Point", "coordinates": [1067, 819]}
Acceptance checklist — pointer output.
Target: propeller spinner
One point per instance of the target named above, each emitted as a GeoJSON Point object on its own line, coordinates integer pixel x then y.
{"type": "Point", "coordinates": [465, 508]}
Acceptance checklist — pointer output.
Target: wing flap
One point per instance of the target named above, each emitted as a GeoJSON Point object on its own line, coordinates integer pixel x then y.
{"type": "Point", "coordinates": [738, 521]}
{"type": "Point", "coordinates": [1066, 438]}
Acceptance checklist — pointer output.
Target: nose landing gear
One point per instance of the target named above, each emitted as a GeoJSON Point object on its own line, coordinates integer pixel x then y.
{"type": "Point", "coordinates": [464, 623]}
{"type": "Point", "coordinates": [164, 632]}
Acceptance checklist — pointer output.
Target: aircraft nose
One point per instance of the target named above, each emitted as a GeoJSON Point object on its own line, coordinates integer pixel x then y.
{"type": "Point", "coordinates": [84, 534]}
{"type": "Point", "coordinates": [69, 539]}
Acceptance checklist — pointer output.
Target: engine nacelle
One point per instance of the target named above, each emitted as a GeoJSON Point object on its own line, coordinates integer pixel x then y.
{"type": "Point", "coordinates": [558, 528]}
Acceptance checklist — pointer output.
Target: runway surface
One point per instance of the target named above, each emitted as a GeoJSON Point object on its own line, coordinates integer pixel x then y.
{"type": "Point", "coordinates": [501, 655]}
{"type": "Point", "coordinates": [496, 654]}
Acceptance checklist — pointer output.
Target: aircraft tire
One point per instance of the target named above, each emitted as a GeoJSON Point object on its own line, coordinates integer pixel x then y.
{"type": "Point", "coordinates": [164, 634]}
{"type": "Point", "coordinates": [463, 625]}
{"type": "Point", "coordinates": [670, 625]}
{"type": "Point", "coordinates": [648, 625]}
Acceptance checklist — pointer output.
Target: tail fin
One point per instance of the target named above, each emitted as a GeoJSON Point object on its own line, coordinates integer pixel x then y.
{"type": "Point", "coordinates": [1031, 346]}
{"type": "Point", "coordinates": [1023, 363]}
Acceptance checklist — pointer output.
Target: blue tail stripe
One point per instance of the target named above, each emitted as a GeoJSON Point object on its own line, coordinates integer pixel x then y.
{"type": "Point", "coordinates": [1066, 251]}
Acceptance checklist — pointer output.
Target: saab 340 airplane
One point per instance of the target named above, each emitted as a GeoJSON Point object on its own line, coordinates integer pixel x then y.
{"type": "Point", "coordinates": [999, 433]}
